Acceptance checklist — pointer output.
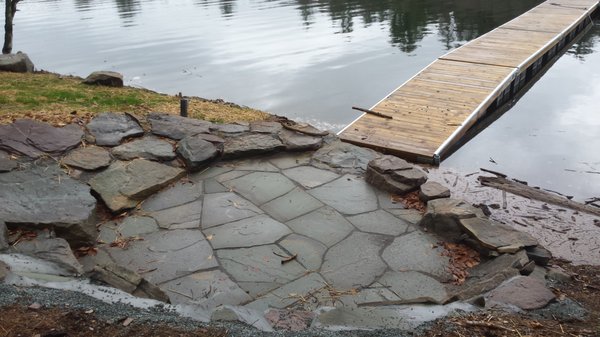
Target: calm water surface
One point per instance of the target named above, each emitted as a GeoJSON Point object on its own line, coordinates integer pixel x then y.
{"type": "Point", "coordinates": [313, 60]}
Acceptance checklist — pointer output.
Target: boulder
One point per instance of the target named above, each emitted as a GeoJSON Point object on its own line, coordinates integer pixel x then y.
{"type": "Point", "coordinates": [524, 292]}
{"type": "Point", "coordinates": [16, 63]}
{"type": "Point", "coordinates": [251, 144]}
{"type": "Point", "coordinates": [109, 128]}
{"type": "Point", "coordinates": [55, 250]}
{"type": "Point", "coordinates": [105, 78]}
{"type": "Point", "coordinates": [151, 148]}
{"type": "Point", "coordinates": [33, 139]}
{"type": "Point", "coordinates": [432, 190]}
{"type": "Point", "coordinates": [45, 196]}
{"type": "Point", "coordinates": [6, 164]}
{"type": "Point", "coordinates": [88, 158]}
{"type": "Point", "coordinates": [176, 127]}
{"type": "Point", "coordinates": [196, 152]}
{"type": "Point", "coordinates": [124, 184]}
{"type": "Point", "coordinates": [296, 141]}
{"type": "Point", "coordinates": [394, 175]}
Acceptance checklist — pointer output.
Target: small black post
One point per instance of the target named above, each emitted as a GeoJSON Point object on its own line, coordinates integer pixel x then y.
{"type": "Point", "coordinates": [183, 106]}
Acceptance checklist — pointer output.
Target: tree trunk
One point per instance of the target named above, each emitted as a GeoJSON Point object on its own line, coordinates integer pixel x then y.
{"type": "Point", "coordinates": [9, 14]}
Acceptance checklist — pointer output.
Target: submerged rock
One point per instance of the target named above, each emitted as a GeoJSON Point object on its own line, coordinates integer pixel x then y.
{"type": "Point", "coordinates": [105, 78]}
{"type": "Point", "coordinates": [34, 139]}
{"type": "Point", "coordinates": [46, 196]}
{"type": "Point", "coordinates": [124, 184]}
{"type": "Point", "coordinates": [109, 128]}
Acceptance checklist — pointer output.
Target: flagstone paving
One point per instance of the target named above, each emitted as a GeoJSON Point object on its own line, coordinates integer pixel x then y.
{"type": "Point", "coordinates": [267, 232]}
{"type": "Point", "coordinates": [299, 230]}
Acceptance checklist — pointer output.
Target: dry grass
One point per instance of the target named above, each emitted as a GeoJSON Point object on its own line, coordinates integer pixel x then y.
{"type": "Point", "coordinates": [63, 99]}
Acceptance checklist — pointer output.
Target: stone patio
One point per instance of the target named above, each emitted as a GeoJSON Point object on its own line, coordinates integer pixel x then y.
{"type": "Point", "coordinates": [291, 228]}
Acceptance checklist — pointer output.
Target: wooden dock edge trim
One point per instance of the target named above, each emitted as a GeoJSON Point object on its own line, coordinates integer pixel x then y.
{"type": "Point", "coordinates": [558, 37]}
{"type": "Point", "coordinates": [473, 116]}
{"type": "Point", "coordinates": [476, 114]}
{"type": "Point", "coordinates": [384, 98]}
{"type": "Point", "coordinates": [410, 156]}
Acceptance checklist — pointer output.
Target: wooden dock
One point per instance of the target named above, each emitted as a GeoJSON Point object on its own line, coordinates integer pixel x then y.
{"type": "Point", "coordinates": [433, 110]}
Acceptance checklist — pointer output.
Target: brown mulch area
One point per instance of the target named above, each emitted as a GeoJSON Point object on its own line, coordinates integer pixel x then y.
{"type": "Point", "coordinates": [584, 289]}
{"type": "Point", "coordinates": [17, 320]}
{"type": "Point", "coordinates": [410, 200]}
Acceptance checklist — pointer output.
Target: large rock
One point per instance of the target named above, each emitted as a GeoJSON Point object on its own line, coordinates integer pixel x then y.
{"type": "Point", "coordinates": [490, 274]}
{"type": "Point", "coordinates": [33, 139]}
{"type": "Point", "coordinates": [296, 141]}
{"type": "Point", "coordinates": [346, 157]}
{"type": "Point", "coordinates": [109, 128]}
{"type": "Point", "coordinates": [46, 196]}
{"type": "Point", "coordinates": [124, 184]}
{"type": "Point", "coordinates": [443, 217]}
{"type": "Point", "coordinates": [539, 255]}
{"type": "Point", "coordinates": [176, 127]}
{"type": "Point", "coordinates": [16, 63]}
{"type": "Point", "coordinates": [151, 148]}
{"type": "Point", "coordinates": [496, 236]}
{"type": "Point", "coordinates": [105, 78]}
{"type": "Point", "coordinates": [196, 152]}
{"type": "Point", "coordinates": [251, 144]}
{"type": "Point", "coordinates": [88, 158]}
{"type": "Point", "coordinates": [524, 292]}
{"type": "Point", "coordinates": [432, 190]}
{"type": "Point", "coordinates": [394, 175]}
{"type": "Point", "coordinates": [6, 163]}
{"type": "Point", "coordinates": [55, 250]}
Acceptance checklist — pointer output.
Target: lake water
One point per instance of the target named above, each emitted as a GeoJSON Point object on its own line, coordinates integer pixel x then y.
{"type": "Point", "coordinates": [313, 60]}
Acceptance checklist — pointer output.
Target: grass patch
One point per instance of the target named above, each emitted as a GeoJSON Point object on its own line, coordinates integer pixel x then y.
{"type": "Point", "coordinates": [64, 99]}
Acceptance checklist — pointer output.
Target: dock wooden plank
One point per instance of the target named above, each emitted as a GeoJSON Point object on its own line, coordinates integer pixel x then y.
{"type": "Point", "coordinates": [436, 105]}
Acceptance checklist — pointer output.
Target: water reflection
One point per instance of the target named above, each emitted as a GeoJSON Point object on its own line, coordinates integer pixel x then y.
{"type": "Point", "coordinates": [311, 60]}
